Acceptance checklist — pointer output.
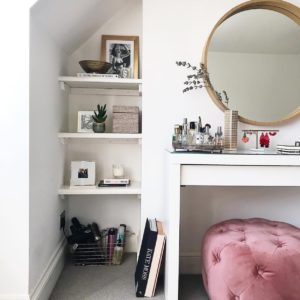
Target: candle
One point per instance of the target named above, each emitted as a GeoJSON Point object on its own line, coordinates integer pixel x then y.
{"type": "Point", "coordinates": [118, 171]}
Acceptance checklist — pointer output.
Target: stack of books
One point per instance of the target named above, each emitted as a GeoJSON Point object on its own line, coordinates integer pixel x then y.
{"type": "Point", "coordinates": [150, 258]}
{"type": "Point", "coordinates": [114, 182]}
{"type": "Point", "coordinates": [98, 75]}
{"type": "Point", "coordinates": [288, 149]}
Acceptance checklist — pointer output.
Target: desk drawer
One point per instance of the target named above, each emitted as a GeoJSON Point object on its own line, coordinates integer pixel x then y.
{"type": "Point", "coordinates": [223, 175]}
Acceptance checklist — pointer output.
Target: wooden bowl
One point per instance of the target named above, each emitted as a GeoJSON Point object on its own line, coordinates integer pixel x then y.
{"type": "Point", "coordinates": [95, 66]}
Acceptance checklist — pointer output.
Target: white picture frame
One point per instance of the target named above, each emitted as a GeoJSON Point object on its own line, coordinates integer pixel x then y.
{"type": "Point", "coordinates": [85, 121]}
{"type": "Point", "coordinates": [83, 173]}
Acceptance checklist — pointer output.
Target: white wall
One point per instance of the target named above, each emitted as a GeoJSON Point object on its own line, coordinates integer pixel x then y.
{"type": "Point", "coordinates": [254, 82]}
{"type": "Point", "coordinates": [48, 108]}
{"type": "Point", "coordinates": [14, 131]}
{"type": "Point", "coordinates": [178, 31]}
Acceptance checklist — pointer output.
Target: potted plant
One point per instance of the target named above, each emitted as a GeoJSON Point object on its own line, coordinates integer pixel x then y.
{"type": "Point", "coordinates": [99, 119]}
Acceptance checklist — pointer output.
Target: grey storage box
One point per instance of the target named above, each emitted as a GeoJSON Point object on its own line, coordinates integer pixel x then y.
{"type": "Point", "coordinates": [125, 119]}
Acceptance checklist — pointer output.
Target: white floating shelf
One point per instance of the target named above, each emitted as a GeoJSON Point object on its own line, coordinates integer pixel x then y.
{"type": "Point", "coordinates": [102, 136]}
{"type": "Point", "coordinates": [133, 189]}
{"type": "Point", "coordinates": [101, 83]}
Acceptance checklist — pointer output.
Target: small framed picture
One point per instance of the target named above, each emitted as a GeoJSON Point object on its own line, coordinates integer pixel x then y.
{"type": "Point", "coordinates": [85, 121]}
{"type": "Point", "coordinates": [123, 53]}
{"type": "Point", "coordinates": [83, 173]}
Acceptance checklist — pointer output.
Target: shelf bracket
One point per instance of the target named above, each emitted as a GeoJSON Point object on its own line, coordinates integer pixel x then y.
{"type": "Point", "coordinates": [62, 85]}
{"type": "Point", "coordinates": [62, 197]}
{"type": "Point", "coordinates": [139, 196]}
{"type": "Point", "coordinates": [140, 89]}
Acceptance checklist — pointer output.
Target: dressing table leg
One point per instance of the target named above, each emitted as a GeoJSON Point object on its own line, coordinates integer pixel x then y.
{"type": "Point", "coordinates": [172, 231]}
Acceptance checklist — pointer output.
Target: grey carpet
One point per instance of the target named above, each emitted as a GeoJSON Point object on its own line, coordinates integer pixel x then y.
{"type": "Point", "coordinates": [191, 288]}
{"type": "Point", "coordinates": [99, 282]}
{"type": "Point", "coordinates": [115, 283]}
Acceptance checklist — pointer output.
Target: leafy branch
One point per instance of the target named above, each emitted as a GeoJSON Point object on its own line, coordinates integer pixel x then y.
{"type": "Point", "coordinates": [219, 95]}
{"type": "Point", "coordinates": [198, 79]}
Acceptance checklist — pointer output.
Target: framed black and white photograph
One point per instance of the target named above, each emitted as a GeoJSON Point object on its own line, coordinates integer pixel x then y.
{"type": "Point", "coordinates": [123, 53]}
{"type": "Point", "coordinates": [82, 173]}
{"type": "Point", "coordinates": [85, 121]}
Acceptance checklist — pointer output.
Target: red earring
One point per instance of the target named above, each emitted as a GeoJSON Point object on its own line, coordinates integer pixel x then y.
{"type": "Point", "coordinates": [272, 133]}
{"type": "Point", "coordinates": [267, 140]}
{"type": "Point", "coordinates": [262, 140]}
{"type": "Point", "coordinates": [245, 139]}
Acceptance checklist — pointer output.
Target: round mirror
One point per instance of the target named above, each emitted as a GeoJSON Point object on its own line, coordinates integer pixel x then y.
{"type": "Point", "coordinates": [253, 61]}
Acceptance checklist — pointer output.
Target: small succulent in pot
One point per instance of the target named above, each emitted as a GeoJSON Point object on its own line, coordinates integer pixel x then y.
{"type": "Point", "coordinates": [99, 119]}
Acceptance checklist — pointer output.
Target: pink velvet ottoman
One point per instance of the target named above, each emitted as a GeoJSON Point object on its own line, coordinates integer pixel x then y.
{"type": "Point", "coordinates": [253, 259]}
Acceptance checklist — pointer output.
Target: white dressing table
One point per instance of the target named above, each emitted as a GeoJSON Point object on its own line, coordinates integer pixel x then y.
{"type": "Point", "coordinates": [227, 169]}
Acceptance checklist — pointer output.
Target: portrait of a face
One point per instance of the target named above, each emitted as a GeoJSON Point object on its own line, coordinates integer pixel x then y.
{"type": "Point", "coordinates": [122, 53]}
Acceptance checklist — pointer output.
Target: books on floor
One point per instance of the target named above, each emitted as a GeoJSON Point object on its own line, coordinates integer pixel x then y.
{"type": "Point", "coordinates": [156, 260]}
{"type": "Point", "coordinates": [114, 182]}
{"type": "Point", "coordinates": [150, 258]}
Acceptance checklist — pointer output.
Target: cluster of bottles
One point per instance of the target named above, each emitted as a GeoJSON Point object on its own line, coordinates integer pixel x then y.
{"type": "Point", "coordinates": [109, 243]}
{"type": "Point", "coordinates": [194, 134]}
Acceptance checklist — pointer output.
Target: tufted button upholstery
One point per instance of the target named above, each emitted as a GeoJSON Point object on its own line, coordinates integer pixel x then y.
{"type": "Point", "coordinates": [253, 259]}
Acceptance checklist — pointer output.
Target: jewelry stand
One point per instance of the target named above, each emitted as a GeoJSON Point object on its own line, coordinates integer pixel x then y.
{"type": "Point", "coordinates": [256, 131]}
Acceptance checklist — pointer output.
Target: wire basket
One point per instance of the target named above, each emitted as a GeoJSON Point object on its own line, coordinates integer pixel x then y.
{"type": "Point", "coordinates": [106, 251]}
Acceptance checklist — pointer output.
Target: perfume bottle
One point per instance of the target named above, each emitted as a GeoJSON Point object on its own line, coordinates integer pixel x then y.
{"type": "Point", "coordinates": [176, 134]}
{"type": "Point", "coordinates": [184, 136]}
{"type": "Point", "coordinates": [199, 134]}
{"type": "Point", "coordinates": [219, 136]}
{"type": "Point", "coordinates": [192, 134]}
{"type": "Point", "coordinates": [200, 124]}
{"type": "Point", "coordinates": [207, 137]}
{"type": "Point", "coordinates": [180, 134]}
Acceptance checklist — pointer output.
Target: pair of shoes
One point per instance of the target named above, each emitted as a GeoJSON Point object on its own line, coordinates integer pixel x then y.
{"type": "Point", "coordinates": [264, 140]}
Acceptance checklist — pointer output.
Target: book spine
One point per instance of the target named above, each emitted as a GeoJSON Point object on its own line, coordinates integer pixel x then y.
{"type": "Point", "coordinates": [158, 267]}
{"type": "Point", "coordinates": [156, 261]}
{"type": "Point", "coordinates": [144, 261]}
{"type": "Point", "coordinates": [141, 257]}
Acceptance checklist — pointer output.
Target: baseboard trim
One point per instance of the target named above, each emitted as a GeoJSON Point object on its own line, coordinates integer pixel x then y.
{"type": "Point", "coordinates": [190, 263]}
{"type": "Point", "coordinates": [49, 277]}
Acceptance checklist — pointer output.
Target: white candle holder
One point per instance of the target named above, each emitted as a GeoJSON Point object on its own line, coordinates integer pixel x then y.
{"type": "Point", "coordinates": [118, 171]}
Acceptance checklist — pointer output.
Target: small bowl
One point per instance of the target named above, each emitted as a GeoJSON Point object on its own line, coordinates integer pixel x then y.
{"type": "Point", "coordinates": [95, 66]}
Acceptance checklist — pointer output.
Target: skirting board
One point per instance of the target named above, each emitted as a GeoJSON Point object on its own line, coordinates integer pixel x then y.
{"type": "Point", "coordinates": [52, 272]}
{"type": "Point", "coordinates": [190, 263]}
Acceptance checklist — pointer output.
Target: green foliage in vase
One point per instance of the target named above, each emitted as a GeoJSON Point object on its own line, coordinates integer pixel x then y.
{"type": "Point", "coordinates": [100, 115]}
{"type": "Point", "coordinates": [198, 79]}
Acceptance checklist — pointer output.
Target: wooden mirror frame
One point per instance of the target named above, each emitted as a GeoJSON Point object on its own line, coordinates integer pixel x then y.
{"type": "Point", "coordinates": [288, 9]}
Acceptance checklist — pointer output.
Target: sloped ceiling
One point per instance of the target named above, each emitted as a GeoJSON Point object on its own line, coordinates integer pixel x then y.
{"type": "Point", "coordinates": [72, 22]}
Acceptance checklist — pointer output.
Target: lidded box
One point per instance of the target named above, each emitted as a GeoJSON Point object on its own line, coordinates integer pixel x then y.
{"type": "Point", "coordinates": [125, 119]}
